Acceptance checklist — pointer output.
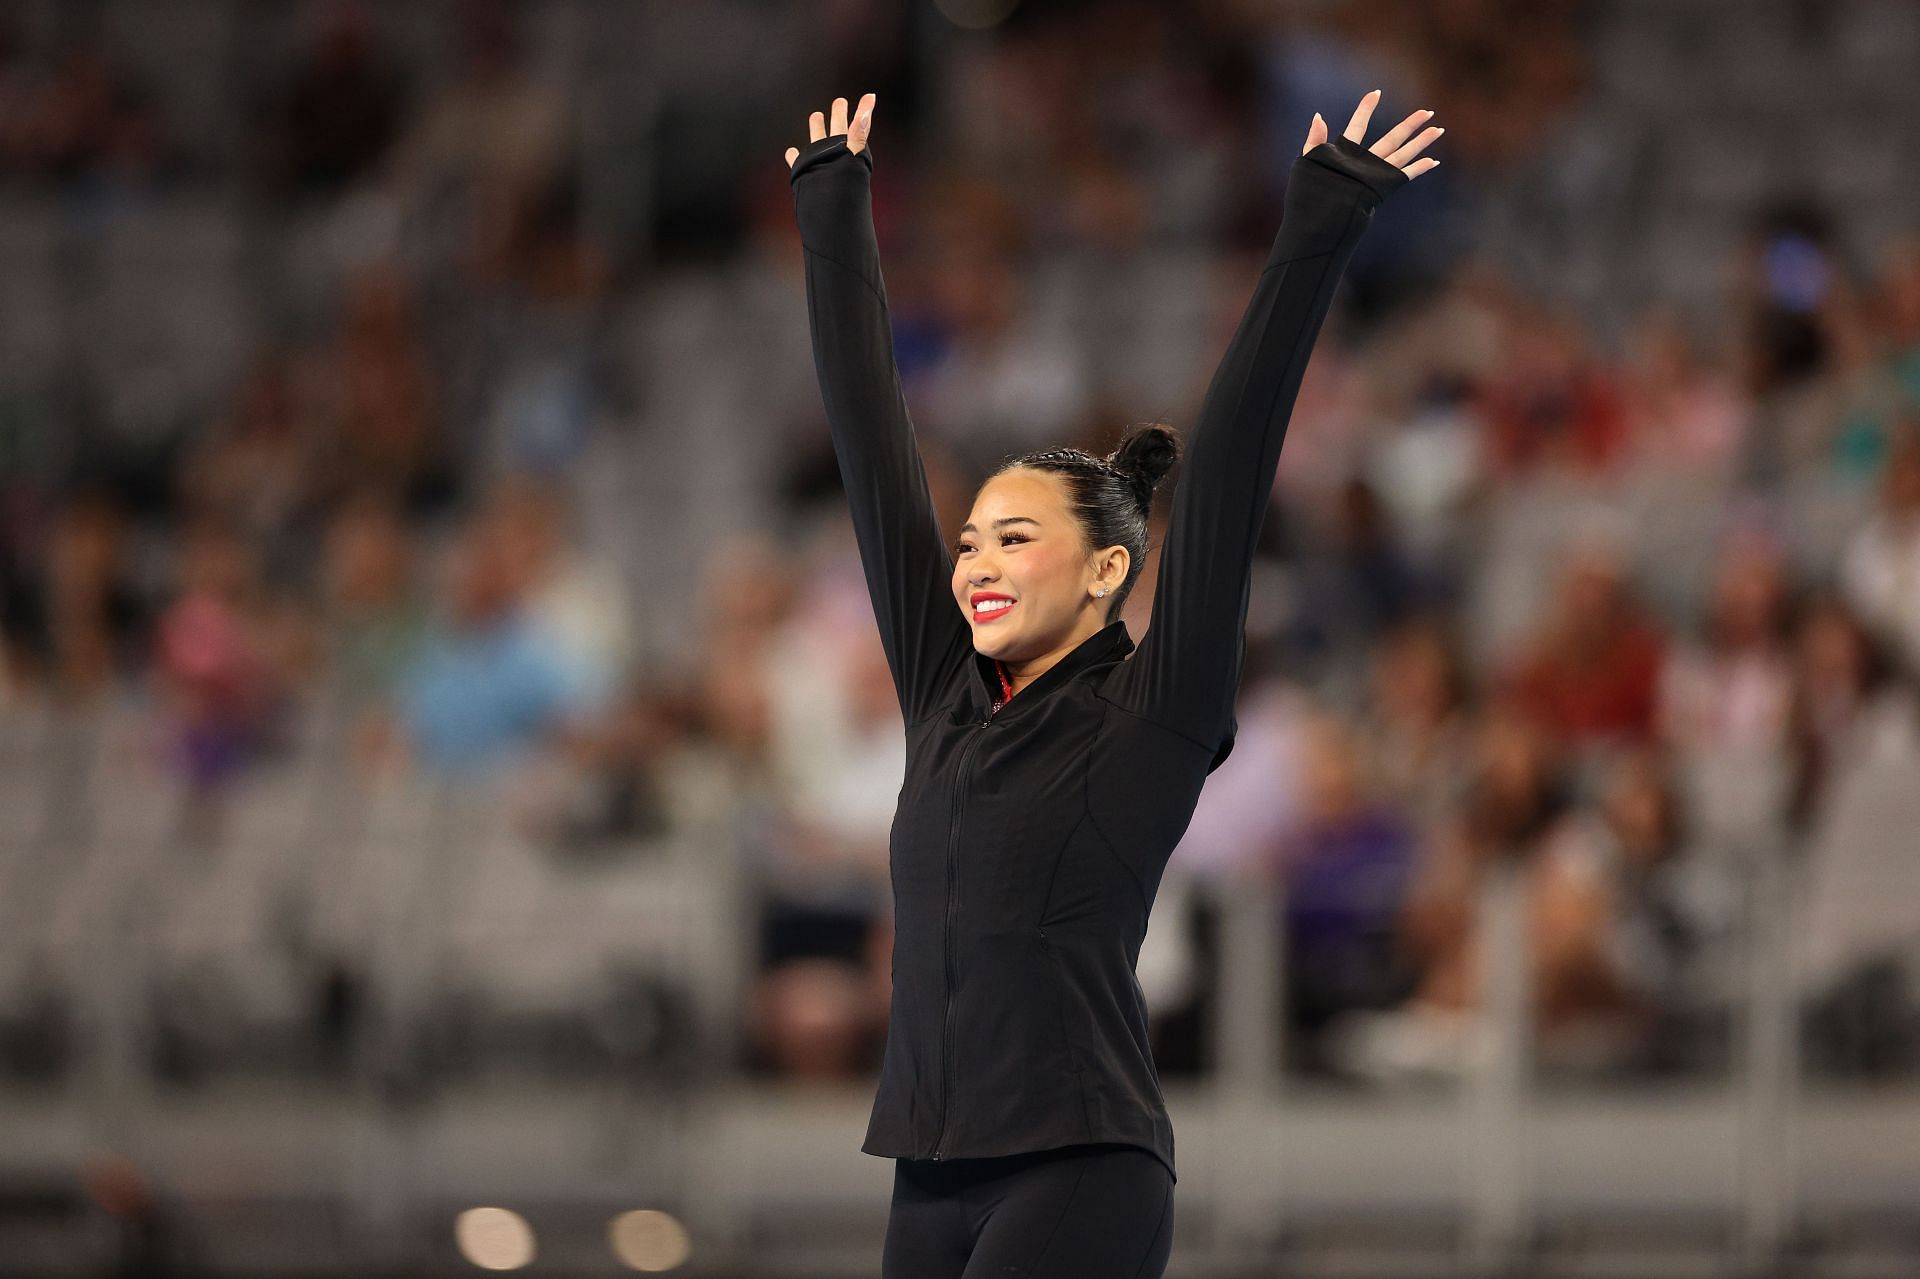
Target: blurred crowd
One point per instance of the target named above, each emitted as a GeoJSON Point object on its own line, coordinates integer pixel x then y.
{"type": "Point", "coordinates": [1614, 616]}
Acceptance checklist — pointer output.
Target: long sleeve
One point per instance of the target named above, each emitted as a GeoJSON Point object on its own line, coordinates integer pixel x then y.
{"type": "Point", "coordinates": [1185, 673]}
{"type": "Point", "coordinates": [902, 551]}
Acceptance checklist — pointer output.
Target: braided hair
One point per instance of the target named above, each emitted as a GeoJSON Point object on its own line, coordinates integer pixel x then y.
{"type": "Point", "coordinates": [1111, 496]}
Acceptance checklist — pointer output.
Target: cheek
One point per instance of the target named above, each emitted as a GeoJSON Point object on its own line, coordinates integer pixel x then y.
{"type": "Point", "coordinates": [1044, 574]}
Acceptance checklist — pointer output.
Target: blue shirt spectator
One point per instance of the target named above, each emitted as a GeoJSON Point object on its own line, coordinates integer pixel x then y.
{"type": "Point", "coordinates": [474, 699]}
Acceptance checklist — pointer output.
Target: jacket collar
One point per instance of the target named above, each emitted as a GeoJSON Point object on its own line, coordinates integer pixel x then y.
{"type": "Point", "coordinates": [1110, 643]}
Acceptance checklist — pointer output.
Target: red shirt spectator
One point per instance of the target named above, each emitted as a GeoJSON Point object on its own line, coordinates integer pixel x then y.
{"type": "Point", "coordinates": [1553, 405]}
{"type": "Point", "coordinates": [1593, 671]}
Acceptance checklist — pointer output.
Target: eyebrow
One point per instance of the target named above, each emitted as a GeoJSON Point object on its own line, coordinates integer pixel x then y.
{"type": "Point", "coordinates": [1010, 519]}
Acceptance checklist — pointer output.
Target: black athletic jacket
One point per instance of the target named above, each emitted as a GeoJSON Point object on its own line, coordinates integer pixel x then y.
{"type": "Point", "coordinates": [1029, 842]}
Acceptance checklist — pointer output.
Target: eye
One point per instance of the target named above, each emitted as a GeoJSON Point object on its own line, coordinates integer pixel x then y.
{"type": "Point", "coordinates": [960, 548]}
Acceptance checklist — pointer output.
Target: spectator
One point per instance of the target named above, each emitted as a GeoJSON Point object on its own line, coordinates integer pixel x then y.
{"type": "Point", "coordinates": [618, 782]}
{"type": "Point", "coordinates": [214, 661]}
{"type": "Point", "coordinates": [371, 605]}
{"type": "Point", "coordinates": [1726, 698]}
{"type": "Point", "coordinates": [88, 126]}
{"type": "Point", "coordinates": [1346, 866]}
{"type": "Point", "coordinates": [1007, 375]}
{"type": "Point", "coordinates": [334, 113]}
{"type": "Point", "coordinates": [1858, 942]}
{"type": "Point", "coordinates": [1516, 800]}
{"type": "Point", "coordinates": [1590, 674]}
{"type": "Point", "coordinates": [1619, 917]}
{"type": "Point", "coordinates": [1731, 690]}
{"type": "Point", "coordinates": [1789, 299]}
{"type": "Point", "coordinates": [74, 621]}
{"type": "Point", "coordinates": [1251, 800]}
{"type": "Point", "coordinates": [577, 600]}
{"type": "Point", "coordinates": [1842, 683]}
{"type": "Point", "coordinates": [1507, 69]}
{"type": "Point", "coordinates": [1685, 411]}
{"type": "Point", "coordinates": [746, 590]}
{"type": "Point", "coordinates": [1900, 314]}
{"type": "Point", "coordinates": [488, 684]}
{"type": "Point", "coordinates": [1551, 404]}
{"type": "Point", "coordinates": [1887, 392]}
{"type": "Point", "coordinates": [1880, 567]}
{"type": "Point", "coordinates": [1418, 725]}
{"type": "Point", "coordinates": [1355, 588]}
{"type": "Point", "coordinates": [838, 751]}
{"type": "Point", "coordinates": [381, 409]}
{"type": "Point", "coordinates": [1683, 914]}
{"type": "Point", "coordinates": [1616, 918]}
{"type": "Point", "coordinates": [490, 144]}
{"type": "Point", "coordinates": [257, 469]}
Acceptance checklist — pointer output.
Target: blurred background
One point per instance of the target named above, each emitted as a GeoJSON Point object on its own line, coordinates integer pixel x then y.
{"type": "Point", "coordinates": [446, 757]}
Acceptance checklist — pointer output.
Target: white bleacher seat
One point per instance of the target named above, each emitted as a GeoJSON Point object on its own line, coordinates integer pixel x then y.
{"type": "Point", "coordinates": [1861, 873]}
{"type": "Point", "coordinates": [1736, 799]}
{"type": "Point", "coordinates": [369, 848]}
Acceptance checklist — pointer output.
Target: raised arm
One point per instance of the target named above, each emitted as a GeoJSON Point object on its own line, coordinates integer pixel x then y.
{"type": "Point", "coordinates": [1185, 673]}
{"type": "Point", "coordinates": [902, 551]}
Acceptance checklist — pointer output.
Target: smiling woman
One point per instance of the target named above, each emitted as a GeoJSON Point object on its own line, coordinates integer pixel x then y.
{"type": "Point", "coordinates": [1068, 541]}
{"type": "Point", "coordinates": [1051, 769]}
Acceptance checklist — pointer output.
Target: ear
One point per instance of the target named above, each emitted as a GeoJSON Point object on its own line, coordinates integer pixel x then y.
{"type": "Point", "coordinates": [1110, 567]}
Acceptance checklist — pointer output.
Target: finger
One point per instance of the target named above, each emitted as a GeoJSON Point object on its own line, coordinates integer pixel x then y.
{"type": "Point", "coordinates": [839, 116]}
{"type": "Point", "coordinates": [1419, 167]}
{"type": "Point", "coordinates": [1356, 130]}
{"type": "Point", "coordinates": [1316, 133]}
{"type": "Point", "coordinates": [1399, 132]}
{"type": "Point", "coordinates": [862, 122]}
{"type": "Point", "coordinates": [793, 153]}
{"type": "Point", "coordinates": [1415, 147]}
{"type": "Point", "coordinates": [816, 127]}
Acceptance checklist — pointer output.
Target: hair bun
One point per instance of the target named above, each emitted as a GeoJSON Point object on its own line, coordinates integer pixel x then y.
{"type": "Point", "coordinates": [1144, 457]}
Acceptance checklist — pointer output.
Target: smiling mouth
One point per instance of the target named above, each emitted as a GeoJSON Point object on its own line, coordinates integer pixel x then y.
{"type": "Point", "coordinates": [992, 610]}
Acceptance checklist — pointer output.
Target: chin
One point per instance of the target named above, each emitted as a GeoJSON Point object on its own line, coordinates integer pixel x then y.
{"type": "Point", "coordinates": [989, 643]}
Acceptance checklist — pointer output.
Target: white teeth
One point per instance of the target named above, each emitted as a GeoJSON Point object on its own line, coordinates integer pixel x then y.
{"type": "Point", "coordinates": [992, 606]}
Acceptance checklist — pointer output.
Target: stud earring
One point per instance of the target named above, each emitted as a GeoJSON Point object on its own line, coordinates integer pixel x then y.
{"type": "Point", "coordinates": [1101, 591]}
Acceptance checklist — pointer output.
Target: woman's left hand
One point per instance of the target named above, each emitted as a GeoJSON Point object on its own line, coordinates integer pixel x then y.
{"type": "Point", "coordinates": [856, 129]}
{"type": "Point", "coordinates": [1393, 146]}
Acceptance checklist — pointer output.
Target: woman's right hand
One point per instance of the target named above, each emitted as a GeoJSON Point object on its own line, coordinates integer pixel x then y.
{"type": "Point", "coordinates": [1393, 147]}
{"type": "Point", "coordinates": [856, 136]}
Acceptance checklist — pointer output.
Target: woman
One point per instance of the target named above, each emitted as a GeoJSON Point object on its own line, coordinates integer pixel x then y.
{"type": "Point", "coordinates": [1048, 777]}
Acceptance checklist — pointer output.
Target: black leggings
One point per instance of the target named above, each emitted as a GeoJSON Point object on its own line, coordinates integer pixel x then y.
{"type": "Point", "coordinates": [1078, 1212]}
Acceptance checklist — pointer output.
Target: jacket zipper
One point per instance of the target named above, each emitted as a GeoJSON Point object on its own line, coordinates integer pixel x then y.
{"type": "Point", "coordinates": [946, 1025]}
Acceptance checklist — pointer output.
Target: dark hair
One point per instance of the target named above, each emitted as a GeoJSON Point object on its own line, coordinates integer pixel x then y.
{"type": "Point", "coordinates": [1111, 496]}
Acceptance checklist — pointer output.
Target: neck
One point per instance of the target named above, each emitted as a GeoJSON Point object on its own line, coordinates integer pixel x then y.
{"type": "Point", "coordinates": [1022, 673]}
